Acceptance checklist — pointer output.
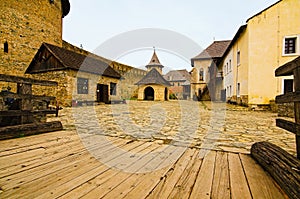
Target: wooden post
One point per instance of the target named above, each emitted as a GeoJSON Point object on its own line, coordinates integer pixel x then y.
{"type": "Point", "coordinates": [297, 108]}
{"type": "Point", "coordinates": [26, 104]}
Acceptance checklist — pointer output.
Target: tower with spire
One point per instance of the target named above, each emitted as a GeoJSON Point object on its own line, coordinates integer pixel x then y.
{"type": "Point", "coordinates": [154, 63]}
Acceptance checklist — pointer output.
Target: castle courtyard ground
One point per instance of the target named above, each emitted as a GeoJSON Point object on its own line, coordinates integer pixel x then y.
{"type": "Point", "coordinates": [202, 125]}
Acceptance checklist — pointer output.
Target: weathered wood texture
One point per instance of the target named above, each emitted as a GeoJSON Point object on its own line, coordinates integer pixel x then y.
{"type": "Point", "coordinates": [57, 165]}
{"type": "Point", "coordinates": [289, 126]}
{"type": "Point", "coordinates": [288, 97]}
{"type": "Point", "coordinates": [28, 129]}
{"type": "Point", "coordinates": [24, 80]}
{"type": "Point", "coordinates": [282, 166]}
{"type": "Point", "coordinates": [291, 68]}
{"type": "Point", "coordinates": [27, 96]}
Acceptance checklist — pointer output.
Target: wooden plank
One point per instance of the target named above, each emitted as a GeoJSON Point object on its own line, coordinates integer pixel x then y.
{"type": "Point", "coordinates": [282, 166]}
{"type": "Point", "coordinates": [105, 178]}
{"type": "Point", "coordinates": [203, 184]}
{"type": "Point", "coordinates": [150, 160]}
{"type": "Point", "coordinates": [238, 182]}
{"type": "Point", "coordinates": [24, 80]}
{"type": "Point", "coordinates": [288, 97]}
{"type": "Point", "coordinates": [221, 184]}
{"type": "Point", "coordinates": [289, 126]}
{"type": "Point", "coordinates": [26, 112]}
{"type": "Point", "coordinates": [29, 129]}
{"type": "Point", "coordinates": [142, 189]}
{"type": "Point", "coordinates": [167, 184]}
{"type": "Point", "coordinates": [261, 184]}
{"type": "Point", "coordinates": [288, 68]}
{"type": "Point", "coordinates": [61, 189]}
{"type": "Point", "coordinates": [297, 108]}
{"type": "Point", "coordinates": [51, 164]}
{"type": "Point", "coordinates": [26, 96]}
{"type": "Point", "coordinates": [62, 180]}
{"type": "Point", "coordinates": [186, 181]}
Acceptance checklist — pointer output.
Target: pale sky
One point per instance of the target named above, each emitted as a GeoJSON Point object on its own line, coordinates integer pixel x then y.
{"type": "Point", "coordinates": [94, 23]}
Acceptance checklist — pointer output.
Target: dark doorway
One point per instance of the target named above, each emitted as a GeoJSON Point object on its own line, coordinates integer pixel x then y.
{"type": "Point", "coordinates": [166, 94]}
{"type": "Point", "coordinates": [102, 93]}
{"type": "Point", "coordinates": [149, 93]}
{"type": "Point", "coordinates": [288, 86]}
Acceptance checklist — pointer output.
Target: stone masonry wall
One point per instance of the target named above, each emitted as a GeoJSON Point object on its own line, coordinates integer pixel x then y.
{"type": "Point", "coordinates": [25, 25]}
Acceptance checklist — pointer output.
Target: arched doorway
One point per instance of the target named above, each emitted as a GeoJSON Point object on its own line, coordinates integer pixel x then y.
{"type": "Point", "coordinates": [149, 93]}
{"type": "Point", "coordinates": [166, 94]}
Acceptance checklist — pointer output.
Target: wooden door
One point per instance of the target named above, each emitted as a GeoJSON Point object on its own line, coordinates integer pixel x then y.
{"type": "Point", "coordinates": [102, 93]}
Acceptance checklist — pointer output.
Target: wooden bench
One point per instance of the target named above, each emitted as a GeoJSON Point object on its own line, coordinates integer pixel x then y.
{"type": "Point", "coordinates": [23, 113]}
{"type": "Point", "coordinates": [282, 166]}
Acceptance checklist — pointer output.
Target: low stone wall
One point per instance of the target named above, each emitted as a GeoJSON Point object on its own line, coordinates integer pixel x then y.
{"type": "Point", "coordinates": [286, 110]}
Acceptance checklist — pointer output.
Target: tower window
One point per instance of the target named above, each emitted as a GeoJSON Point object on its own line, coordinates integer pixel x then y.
{"type": "Point", "coordinates": [6, 47]}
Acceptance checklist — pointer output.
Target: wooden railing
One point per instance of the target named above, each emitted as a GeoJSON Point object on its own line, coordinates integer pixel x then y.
{"type": "Point", "coordinates": [291, 68]}
{"type": "Point", "coordinates": [23, 111]}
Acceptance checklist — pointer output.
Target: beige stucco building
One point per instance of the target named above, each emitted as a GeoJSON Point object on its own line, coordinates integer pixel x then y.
{"type": "Point", "coordinates": [268, 40]}
{"type": "Point", "coordinates": [153, 86]}
{"type": "Point", "coordinates": [206, 78]}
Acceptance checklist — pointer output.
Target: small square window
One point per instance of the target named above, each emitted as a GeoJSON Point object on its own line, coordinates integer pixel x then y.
{"type": "Point", "coordinates": [290, 45]}
{"type": "Point", "coordinates": [82, 85]}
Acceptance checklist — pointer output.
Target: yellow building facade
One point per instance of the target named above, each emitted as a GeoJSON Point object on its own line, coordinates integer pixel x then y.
{"type": "Point", "coordinates": [268, 40]}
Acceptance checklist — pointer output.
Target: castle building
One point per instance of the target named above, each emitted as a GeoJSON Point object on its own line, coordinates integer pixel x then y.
{"type": "Point", "coordinates": [31, 45]}
{"type": "Point", "coordinates": [153, 86]}
{"type": "Point", "coordinates": [180, 83]}
{"type": "Point", "coordinates": [25, 25]}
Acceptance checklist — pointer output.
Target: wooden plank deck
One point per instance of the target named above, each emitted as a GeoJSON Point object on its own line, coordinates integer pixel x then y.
{"type": "Point", "coordinates": [57, 165]}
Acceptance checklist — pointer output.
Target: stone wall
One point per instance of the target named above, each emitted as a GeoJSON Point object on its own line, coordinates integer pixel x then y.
{"type": "Point", "coordinates": [286, 110]}
{"type": "Point", "coordinates": [66, 91]}
{"type": "Point", "coordinates": [25, 25]}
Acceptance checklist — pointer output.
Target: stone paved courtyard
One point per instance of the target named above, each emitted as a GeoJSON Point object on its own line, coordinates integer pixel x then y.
{"type": "Point", "coordinates": [205, 125]}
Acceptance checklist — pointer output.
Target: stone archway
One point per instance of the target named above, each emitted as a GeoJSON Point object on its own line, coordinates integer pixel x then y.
{"type": "Point", "coordinates": [149, 93]}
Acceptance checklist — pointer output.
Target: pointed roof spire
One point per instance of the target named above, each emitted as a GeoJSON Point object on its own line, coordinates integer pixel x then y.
{"type": "Point", "coordinates": [154, 60]}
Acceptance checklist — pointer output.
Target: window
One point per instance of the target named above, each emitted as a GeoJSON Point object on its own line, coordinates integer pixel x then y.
{"type": "Point", "coordinates": [6, 47]}
{"type": "Point", "coordinates": [290, 45]}
{"type": "Point", "coordinates": [238, 89]}
{"type": "Point", "coordinates": [238, 58]}
{"type": "Point", "coordinates": [113, 89]}
{"type": "Point", "coordinates": [230, 65]}
{"type": "Point", "coordinates": [178, 83]}
{"type": "Point", "coordinates": [288, 86]}
{"type": "Point", "coordinates": [201, 75]}
{"type": "Point", "coordinates": [82, 85]}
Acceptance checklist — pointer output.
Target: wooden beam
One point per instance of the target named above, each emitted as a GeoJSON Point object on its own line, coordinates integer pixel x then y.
{"type": "Point", "coordinates": [282, 166]}
{"type": "Point", "coordinates": [288, 68]}
{"type": "Point", "coordinates": [288, 97]}
{"type": "Point", "coordinates": [26, 112]}
{"type": "Point", "coordinates": [24, 80]}
{"type": "Point", "coordinates": [22, 96]}
{"type": "Point", "coordinates": [9, 132]}
{"type": "Point", "coordinates": [289, 126]}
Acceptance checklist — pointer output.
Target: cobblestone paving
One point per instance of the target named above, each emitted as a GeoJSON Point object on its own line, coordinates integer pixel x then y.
{"type": "Point", "coordinates": [203, 125]}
